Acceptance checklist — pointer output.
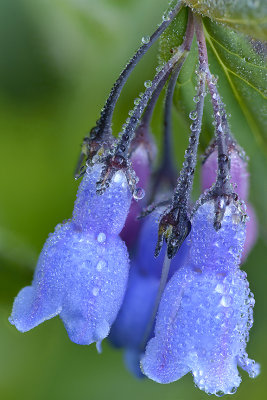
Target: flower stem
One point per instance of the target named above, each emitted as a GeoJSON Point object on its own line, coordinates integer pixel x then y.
{"type": "Point", "coordinates": [177, 59]}
{"type": "Point", "coordinates": [104, 124]}
{"type": "Point", "coordinates": [222, 190]}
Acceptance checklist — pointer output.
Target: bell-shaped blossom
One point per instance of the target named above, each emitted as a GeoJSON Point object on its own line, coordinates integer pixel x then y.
{"type": "Point", "coordinates": [107, 212]}
{"type": "Point", "coordinates": [82, 270]}
{"type": "Point", "coordinates": [240, 181]}
{"type": "Point", "coordinates": [206, 311]}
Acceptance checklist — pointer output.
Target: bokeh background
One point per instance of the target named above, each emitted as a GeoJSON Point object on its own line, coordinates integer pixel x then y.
{"type": "Point", "coordinates": [58, 61]}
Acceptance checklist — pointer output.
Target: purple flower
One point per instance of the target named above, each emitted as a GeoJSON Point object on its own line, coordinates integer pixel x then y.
{"type": "Point", "coordinates": [240, 180]}
{"type": "Point", "coordinates": [129, 328]}
{"type": "Point", "coordinates": [82, 270]}
{"type": "Point", "coordinates": [206, 311]}
{"type": "Point", "coordinates": [141, 165]}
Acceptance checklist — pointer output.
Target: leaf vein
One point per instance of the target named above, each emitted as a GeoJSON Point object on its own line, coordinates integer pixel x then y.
{"type": "Point", "coordinates": [246, 111]}
{"type": "Point", "coordinates": [236, 55]}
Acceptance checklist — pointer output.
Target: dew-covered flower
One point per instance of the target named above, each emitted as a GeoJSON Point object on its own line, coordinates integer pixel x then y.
{"type": "Point", "coordinates": [206, 310]}
{"type": "Point", "coordinates": [82, 270]}
{"type": "Point", "coordinates": [189, 309]}
{"type": "Point", "coordinates": [240, 181]}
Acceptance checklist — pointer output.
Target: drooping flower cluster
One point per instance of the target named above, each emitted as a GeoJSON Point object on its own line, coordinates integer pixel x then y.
{"type": "Point", "coordinates": [185, 305]}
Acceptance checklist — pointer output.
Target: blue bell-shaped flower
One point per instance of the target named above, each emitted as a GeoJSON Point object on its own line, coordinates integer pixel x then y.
{"type": "Point", "coordinates": [82, 270]}
{"type": "Point", "coordinates": [206, 310]}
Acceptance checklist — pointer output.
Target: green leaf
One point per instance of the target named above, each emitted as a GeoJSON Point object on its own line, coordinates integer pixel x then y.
{"type": "Point", "coordinates": [248, 16]}
{"type": "Point", "coordinates": [241, 72]}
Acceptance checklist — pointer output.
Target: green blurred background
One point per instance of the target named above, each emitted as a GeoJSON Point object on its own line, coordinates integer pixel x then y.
{"type": "Point", "coordinates": [58, 61]}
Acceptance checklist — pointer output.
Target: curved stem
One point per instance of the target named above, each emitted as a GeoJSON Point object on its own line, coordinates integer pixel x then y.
{"type": "Point", "coordinates": [185, 181]}
{"type": "Point", "coordinates": [177, 59]}
{"type": "Point", "coordinates": [167, 142]}
{"type": "Point", "coordinates": [104, 123]}
{"type": "Point", "coordinates": [146, 119]}
{"type": "Point", "coordinates": [221, 124]}
{"type": "Point", "coordinates": [166, 172]}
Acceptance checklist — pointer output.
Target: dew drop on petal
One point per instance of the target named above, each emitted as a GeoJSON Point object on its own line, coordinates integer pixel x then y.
{"type": "Point", "coordinates": [118, 177]}
{"type": "Point", "coordinates": [101, 237]}
{"type": "Point", "coordinates": [226, 301]}
{"type": "Point", "coordinates": [219, 288]}
{"type": "Point", "coordinates": [100, 265]}
{"type": "Point", "coordinates": [95, 291]}
{"type": "Point", "coordinates": [139, 194]}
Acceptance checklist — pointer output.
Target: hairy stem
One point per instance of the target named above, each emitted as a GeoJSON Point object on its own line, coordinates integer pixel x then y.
{"type": "Point", "coordinates": [104, 124]}
{"type": "Point", "coordinates": [221, 124]}
{"type": "Point", "coordinates": [178, 59]}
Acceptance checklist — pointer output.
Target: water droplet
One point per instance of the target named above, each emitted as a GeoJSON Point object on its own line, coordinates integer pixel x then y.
{"type": "Point", "coordinates": [136, 101]}
{"type": "Point", "coordinates": [95, 291]}
{"type": "Point", "coordinates": [118, 177]}
{"type": "Point", "coordinates": [165, 17]}
{"type": "Point", "coordinates": [226, 301]}
{"type": "Point", "coordinates": [100, 265]}
{"type": "Point", "coordinates": [219, 288]}
{"type": "Point", "coordinates": [220, 129]}
{"type": "Point", "coordinates": [101, 237]}
{"type": "Point", "coordinates": [138, 194]}
{"type": "Point", "coordinates": [193, 127]}
{"type": "Point", "coordinates": [236, 219]}
{"type": "Point", "coordinates": [193, 115]}
{"type": "Point", "coordinates": [219, 393]}
{"type": "Point", "coordinates": [220, 316]}
{"type": "Point", "coordinates": [148, 84]}
{"type": "Point", "coordinates": [196, 99]}
{"type": "Point", "coordinates": [145, 39]}
{"type": "Point", "coordinates": [233, 390]}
